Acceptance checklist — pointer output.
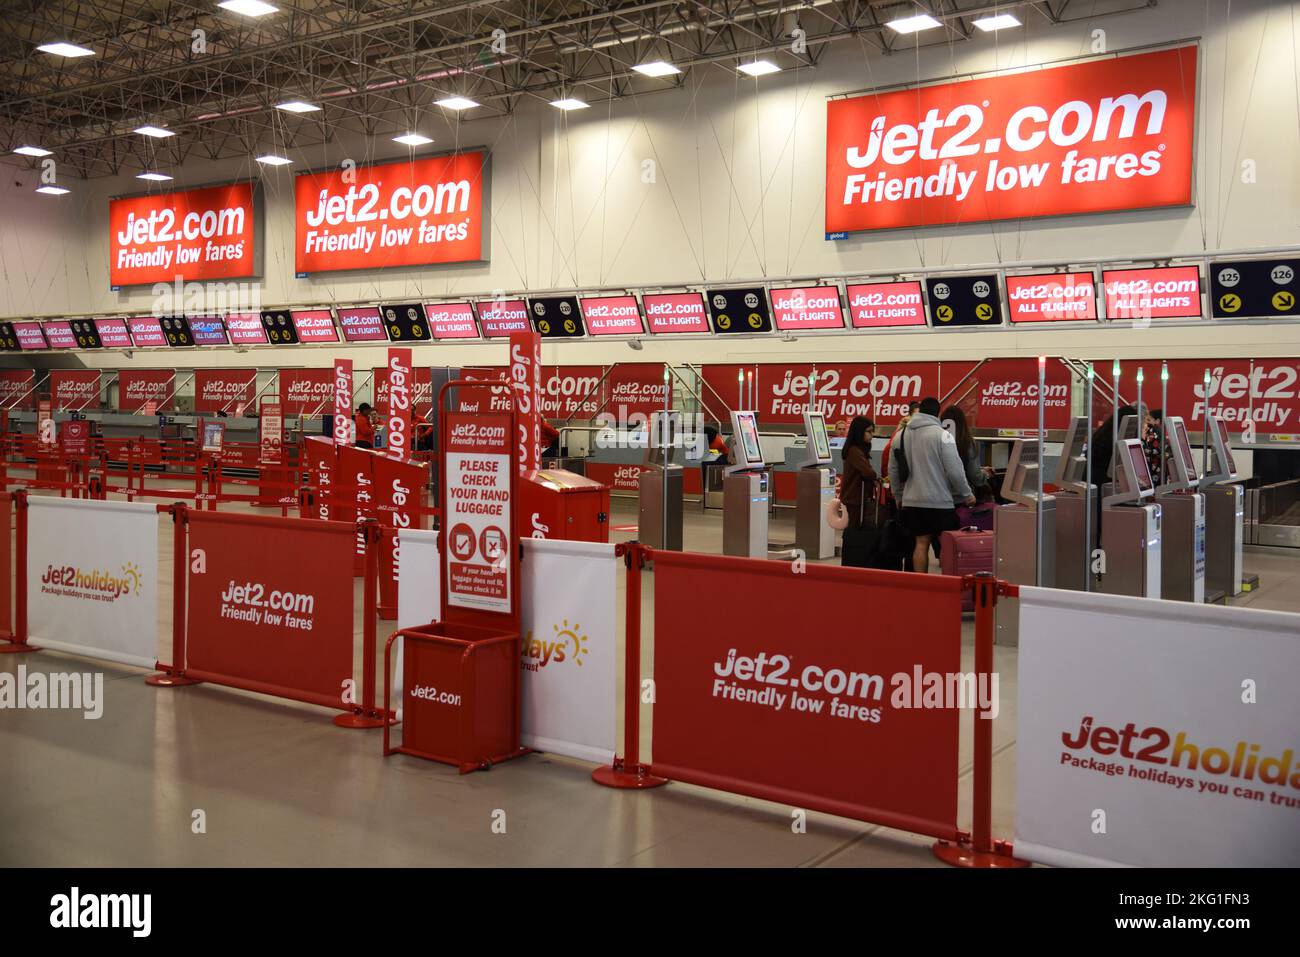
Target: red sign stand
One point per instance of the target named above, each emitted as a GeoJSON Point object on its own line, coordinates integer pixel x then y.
{"type": "Point", "coordinates": [460, 681]}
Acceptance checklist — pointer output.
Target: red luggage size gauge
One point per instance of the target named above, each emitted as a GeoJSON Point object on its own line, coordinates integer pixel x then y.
{"type": "Point", "coordinates": [966, 551]}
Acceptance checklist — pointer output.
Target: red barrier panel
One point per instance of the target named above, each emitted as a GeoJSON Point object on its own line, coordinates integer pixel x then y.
{"type": "Point", "coordinates": [777, 708]}
{"type": "Point", "coordinates": [17, 637]}
{"type": "Point", "coordinates": [270, 605]}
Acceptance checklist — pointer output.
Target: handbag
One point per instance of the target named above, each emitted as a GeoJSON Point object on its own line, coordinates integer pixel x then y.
{"type": "Point", "coordinates": [979, 517]}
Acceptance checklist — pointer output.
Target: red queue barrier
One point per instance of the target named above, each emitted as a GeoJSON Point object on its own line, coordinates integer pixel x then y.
{"type": "Point", "coordinates": [247, 610]}
{"type": "Point", "coordinates": [759, 755]}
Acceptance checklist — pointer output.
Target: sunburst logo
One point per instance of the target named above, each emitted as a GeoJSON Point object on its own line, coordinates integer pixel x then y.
{"type": "Point", "coordinates": [131, 574]}
{"type": "Point", "coordinates": [569, 643]}
{"type": "Point", "coordinates": [571, 638]}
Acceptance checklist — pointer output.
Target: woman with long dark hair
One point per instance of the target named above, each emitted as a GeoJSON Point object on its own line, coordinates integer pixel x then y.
{"type": "Point", "coordinates": [858, 494]}
{"type": "Point", "coordinates": [967, 449]}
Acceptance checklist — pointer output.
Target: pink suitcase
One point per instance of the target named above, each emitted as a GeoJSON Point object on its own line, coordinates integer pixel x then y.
{"type": "Point", "coordinates": [966, 552]}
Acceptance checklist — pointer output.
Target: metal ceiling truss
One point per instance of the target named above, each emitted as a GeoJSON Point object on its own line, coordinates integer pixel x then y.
{"type": "Point", "coordinates": [375, 66]}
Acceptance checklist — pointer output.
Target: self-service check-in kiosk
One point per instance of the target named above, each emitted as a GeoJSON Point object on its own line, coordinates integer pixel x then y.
{"type": "Point", "coordinates": [1130, 526]}
{"type": "Point", "coordinates": [746, 492]}
{"type": "Point", "coordinates": [1017, 556]}
{"type": "Point", "coordinates": [1182, 519]}
{"type": "Point", "coordinates": [814, 491]}
{"type": "Point", "coordinates": [1077, 509]}
{"type": "Point", "coordinates": [1224, 514]}
{"type": "Point", "coordinates": [659, 489]}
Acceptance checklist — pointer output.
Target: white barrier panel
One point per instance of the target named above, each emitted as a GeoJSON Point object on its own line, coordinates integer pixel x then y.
{"type": "Point", "coordinates": [569, 641]}
{"type": "Point", "coordinates": [92, 578]}
{"type": "Point", "coordinates": [419, 591]}
{"type": "Point", "coordinates": [1156, 733]}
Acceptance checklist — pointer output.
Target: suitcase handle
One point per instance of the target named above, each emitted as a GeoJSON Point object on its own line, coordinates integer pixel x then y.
{"type": "Point", "coordinates": [971, 528]}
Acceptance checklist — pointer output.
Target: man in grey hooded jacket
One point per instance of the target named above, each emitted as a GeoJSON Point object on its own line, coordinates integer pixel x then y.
{"type": "Point", "coordinates": [936, 477]}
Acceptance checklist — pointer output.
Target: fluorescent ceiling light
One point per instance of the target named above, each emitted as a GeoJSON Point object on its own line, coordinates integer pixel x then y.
{"type": "Point", "coordinates": [922, 21]}
{"type": "Point", "coordinates": [31, 151]}
{"type": "Point", "coordinates": [759, 68]}
{"type": "Point", "coordinates": [154, 131]}
{"type": "Point", "coordinates": [249, 8]}
{"type": "Point", "coordinates": [52, 190]}
{"type": "Point", "coordinates": [65, 49]}
{"type": "Point", "coordinates": [153, 177]}
{"type": "Point", "coordinates": [999, 22]}
{"type": "Point", "coordinates": [657, 68]}
{"type": "Point", "coordinates": [297, 106]}
{"type": "Point", "coordinates": [270, 159]}
{"type": "Point", "coordinates": [457, 103]}
{"type": "Point", "coordinates": [412, 139]}
{"type": "Point", "coordinates": [569, 103]}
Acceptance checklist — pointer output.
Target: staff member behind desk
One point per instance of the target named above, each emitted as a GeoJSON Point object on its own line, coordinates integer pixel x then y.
{"type": "Point", "coordinates": [365, 426]}
{"type": "Point", "coordinates": [550, 442]}
{"type": "Point", "coordinates": [928, 476]}
{"type": "Point", "coordinates": [1103, 447]}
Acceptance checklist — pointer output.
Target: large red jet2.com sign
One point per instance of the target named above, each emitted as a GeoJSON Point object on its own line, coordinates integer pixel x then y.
{"type": "Point", "coordinates": [1086, 137]}
{"type": "Point", "coordinates": [192, 234]}
{"type": "Point", "coordinates": [406, 213]}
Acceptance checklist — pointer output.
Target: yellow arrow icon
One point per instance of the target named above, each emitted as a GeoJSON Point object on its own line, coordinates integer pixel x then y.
{"type": "Point", "coordinates": [1230, 302]}
{"type": "Point", "coordinates": [944, 313]}
{"type": "Point", "coordinates": [1283, 301]}
{"type": "Point", "coordinates": [984, 312]}
{"type": "Point", "coordinates": [724, 321]}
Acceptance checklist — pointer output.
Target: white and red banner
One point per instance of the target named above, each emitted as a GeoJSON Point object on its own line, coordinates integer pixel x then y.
{"type": "Point", "coordinates": [421, 398]}
{"type": "Point", "coordinates": [314, 325]}
{"type": "Point", "coordinates": [571, 391]}
{"type": "Point", "coordinates": [246, 329]}
{"type": "Point", "coordinates": [676, 312]}
{"type": "Point", "coordinates": [147, 332]}
{"type": "Point", "coordinates": [59, 334]}
{"type": "Point", "coordinates": [136, 388]}
{"type": "Point", "coordinates": [1057, 297]}
{"type": "Point", "coordinates": [113, 333]}
{"type": "Point", "coordinates": [1004, 393]}
{"type": "Point", "coordinates": [400, 496]}
{"type": "Point", "coordinates": [451, 320]}
{"type": "Point", "coordinates": [362, 325]}
{"type": "Point", "coordinates": [478, 511]}
{"type": "Point", "coordinates": [402, 213]}
{"type": "Point", "coordinates": [193, 234]}
{"type": "Point", "coordinates": [1147, 734]}
{"type": "Point", "coordinates": [92, 586]}
{"type": "Point", "coordinates": [275, 618]}
{"type": "Point", "coordinates": [1260, 394]}
{"type": "Point", "coordinates": [270, 434]}
{"type": "Point", "coordinates": [221, 390]}
{"type": "Point", "coordinates": [526, 380]}
{"type": "Point", "coordinates": [343, 426]}
{"type": "Point", "coordinates": [29, 336]}
{"type": "Point", "coordinates": [570, 636]}
{"type": "Point", "coordinates": [17, 389]}
{"type": "Point", "coordinates": [1165, 292]}
{"type": "Point", "coordinates": [807, 308]}
{"type": "Point", "coordinates": [636, 388]}
{"type": "Point", "coordinates": [881, 391]}
{"type": "Point", "coordinates": [876, 304]}
{"type": "Point", "coordinates": [1098, 135]}
{"type": "Point", "coordinates": [75, 388]}
{"type": "Point", "coordinates": [611, 315]}
{"type": "Point", "coordinates": [503, 317]}
{"type": "Point", "coordinates": [401, 398]}
{"type": "Point", "coordinates": [306, 391]}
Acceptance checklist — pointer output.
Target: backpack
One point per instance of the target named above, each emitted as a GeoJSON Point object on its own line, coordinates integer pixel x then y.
{"type": "Point", "coordinates": [900, 455]}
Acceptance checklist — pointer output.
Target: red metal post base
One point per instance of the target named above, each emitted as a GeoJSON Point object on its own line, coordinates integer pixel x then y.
{"type": "Point", "coordinates": [167, 679]}
{"type": "Point", "coordinates": [13, 648]}
{"type": "Point", "coordinates": [362, 720]}
{"type": "Point", "coordinates": [965, 855]}
{"type": "Point", "coordinates": [617, 775]}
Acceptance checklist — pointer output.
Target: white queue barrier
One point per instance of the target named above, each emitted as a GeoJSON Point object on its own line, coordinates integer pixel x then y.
{"type": "Point", "coordinates": [92, 581]}
{"type": "Point", "coordinates": [1156, 733]}
{"type": "Point", "coordinates": [568, 642]}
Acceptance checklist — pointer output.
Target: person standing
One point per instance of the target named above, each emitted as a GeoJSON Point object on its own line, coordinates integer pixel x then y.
{"type": "Point", "coordinates": [365, 426]}
{"type": "Point", "coordinates": [928, 477]}
{"type": "Point", "coordinates": [858, 495]}
{"type": "Point", "coordinates": [969, 451]}
{"type": "Point", "coordinates": [1151, 436]}
{"type": "Point", "coordinates": [889, 448]}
